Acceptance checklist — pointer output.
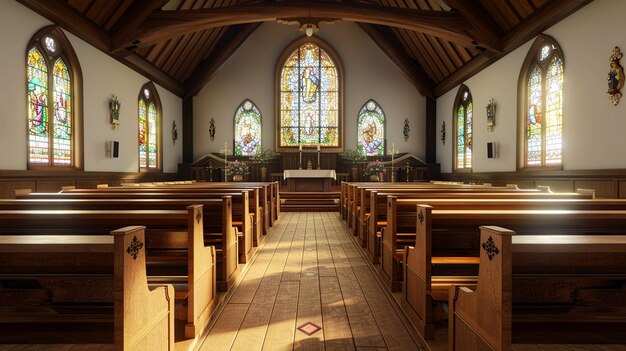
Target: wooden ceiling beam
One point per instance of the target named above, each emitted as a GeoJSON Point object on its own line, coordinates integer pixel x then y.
{"type": "Point", "coordinates": [166, 24]}
{"type": "Point", "coordinates": [227, 45]}
{"type": "Point", "coordinates": [65, 16]}
{"type": "Point", "coordinates": [124, 30]}
{"type": "Point", "coordinates": [542, 19]}
{"type": "Point", "coordinates": [388, 43]}
{"type": "Point", "coordinates": [487, 33]}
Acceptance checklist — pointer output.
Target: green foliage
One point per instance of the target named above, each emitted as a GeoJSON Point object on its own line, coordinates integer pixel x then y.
{"type": "Point", "coordinates": [354, 155]}
{"type": "Point", "coordinates": [262, 155]}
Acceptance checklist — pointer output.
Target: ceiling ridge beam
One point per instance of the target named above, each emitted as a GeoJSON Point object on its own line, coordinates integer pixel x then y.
{"type": "Point", "coordinates": [228, 44]}
{"type": "Point", "coordinates": [166, 24]}
{"type": "Point", "coordinates": [124, 31]}
{"type": "Point", "coordinates": [412, 70]}
{"type": "Point", "coordinates": [486, 31]}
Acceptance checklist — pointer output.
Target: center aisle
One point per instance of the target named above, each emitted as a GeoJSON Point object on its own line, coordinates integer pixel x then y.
{"type": "Point", "coordinates": [309, 271]}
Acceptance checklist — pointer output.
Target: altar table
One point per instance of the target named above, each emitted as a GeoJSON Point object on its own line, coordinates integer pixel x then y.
{"type": "Point", "coordinates": [309, 179]}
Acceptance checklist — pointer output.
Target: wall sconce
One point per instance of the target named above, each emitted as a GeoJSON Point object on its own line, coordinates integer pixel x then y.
{"type": "Point", "coordinates": [212, 129]}
{"type": "Point", "coordinates": [174, 132]}
{"type": "Point", "coordinates": [491, 115]}
{"type": "Point", "coordinates": [114, 108]}
{"type": "Point", "coordinates": [443, 132]}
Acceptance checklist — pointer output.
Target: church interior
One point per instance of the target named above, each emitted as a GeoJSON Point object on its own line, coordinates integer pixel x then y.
{"type": "Point", "coordinates": [195, 175]}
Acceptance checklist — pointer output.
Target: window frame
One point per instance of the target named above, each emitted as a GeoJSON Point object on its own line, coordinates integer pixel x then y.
{"type": "Point", "coordinates": [67, 54]}
{"type": "Point", "coordinates": [154, 98]}
{"type": "Point", "coordinates": [530, 62]}
{"type": "Point", "coordinates": [280, 62]}
{"type": "Point", "coordinates": [459, 102]}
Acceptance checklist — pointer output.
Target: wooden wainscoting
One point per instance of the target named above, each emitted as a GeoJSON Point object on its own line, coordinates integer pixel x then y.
{"type": "Point", "coordinates": [608, 183]}
{"type": "Point", "coordinates": [53, 181]}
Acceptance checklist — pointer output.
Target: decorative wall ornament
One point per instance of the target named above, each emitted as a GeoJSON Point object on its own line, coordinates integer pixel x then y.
{"type": "Point", "coordinates": [406, 130]}
{"type": "Point", "coordinates": [491, 115]}
{"type": "Point", "coordinates": [443, 132]}
{"type": "Point", "coordinates": [174, 132]}
{"type": "Point", "coordinates": [615, 77]}
{"type": "Point", "coordinates": [114, 108]}
{"type": "Point", "coordinates": [212, 129]}
{"type": "Point", "coordinates": [420, 216]}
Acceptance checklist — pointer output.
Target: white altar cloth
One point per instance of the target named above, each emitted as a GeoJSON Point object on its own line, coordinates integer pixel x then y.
{"type": "Point", "coordinates": [309, 173]}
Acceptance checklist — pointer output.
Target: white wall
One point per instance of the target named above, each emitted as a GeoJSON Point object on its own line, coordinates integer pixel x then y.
{"type": "Point", "coordinates": [249, 73]}
{"type": "Point", "coordinates": [102, 76]}
{"type": "Point", "coordinates": [593, 129]}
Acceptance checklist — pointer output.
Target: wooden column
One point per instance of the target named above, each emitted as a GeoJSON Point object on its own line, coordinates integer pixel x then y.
{"type": "Point", "coordinates": [431, 130]}
{"type": "Point", "coordinates": [188, 129]}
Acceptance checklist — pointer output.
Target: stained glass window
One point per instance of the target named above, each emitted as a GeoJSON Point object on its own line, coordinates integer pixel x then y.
{"type": "Point", "coordinates": [309, 98]}
{"type": "Point", "coordinates": [51, 114]}
{"type": "Point", "coordinates": [247, 129]}
{"type": "Point", "coordinates": [371, 129]}
{"type": "Point", "coordinates": [149, 120]}
{"type": "Point", "coordinates": [543, 115]}
{"type": "Point", "coordinates": [463, 115]}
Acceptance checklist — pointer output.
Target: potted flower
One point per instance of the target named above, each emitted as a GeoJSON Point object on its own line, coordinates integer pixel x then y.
{"type": "Point", "coordinates": [262, 157]}
{"type": "Point", "coordinates": [375, 170]}
{"type": "Point", "coordinates": [353, 156]}
{"type": "Point", "coordinates": [236, 169]}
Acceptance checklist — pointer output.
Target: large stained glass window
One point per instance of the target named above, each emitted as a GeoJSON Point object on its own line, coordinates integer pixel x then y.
{"type": "Point", "coordinates": [247, 129]}
{"type": "Point", "coordinates": [149, 120]}
{"type": "Point", "coordinates": [50, 100]}
{"type": "Point", "coordinates": [463, 114]}
{"type": "Point", "coordinates": [309, 98]}
{"type": "Point", "coordinates": [543, 107]}
{"type": "Point", "coordinates": [371, 129]}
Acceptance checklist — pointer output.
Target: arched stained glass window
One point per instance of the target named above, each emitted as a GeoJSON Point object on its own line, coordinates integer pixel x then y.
{"type": "Point", "coordinates": [541, 84]}
{"type": "Point", "coordinates": [309, 98]}
{"type": "Point", "coordinates": [149, 128]}
{"type": "Point", "coordinates": [247, 129]}
{"type": "Point", "coordinates": [463, 135]}
{"type": "Point", "coordinates": [52, 118]}
{"type": "Point", "coordinates": [371, 129]}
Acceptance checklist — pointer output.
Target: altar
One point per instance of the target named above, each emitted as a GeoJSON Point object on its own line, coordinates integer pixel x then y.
{"type": "Point", "coordinates": [309, 179]}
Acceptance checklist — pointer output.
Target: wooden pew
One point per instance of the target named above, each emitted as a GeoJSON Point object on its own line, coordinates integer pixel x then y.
{"type": "Point", "coordinates": [542, 289]}
{"type": "Point", "coordinates": [447, 247]}
{"type": "Point", "coordinates": [73, 288]}
{"type": "Point", "coordinates": [217, 221]}
{"type": "Point", "coordinates": [375, 220]}
{"type": "Point", "coordinates": [174, 240]}
{"type": "Point", "coordinates": [240, 207]}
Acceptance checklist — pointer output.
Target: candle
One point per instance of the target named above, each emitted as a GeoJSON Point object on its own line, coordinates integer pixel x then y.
{"type": "Point", "coordinates": [300, 146]}
{"type": "Point", "coordinates": [318, 147]}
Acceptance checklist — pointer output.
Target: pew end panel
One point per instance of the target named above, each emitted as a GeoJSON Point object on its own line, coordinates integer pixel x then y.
{"type": "Point", "coordinates": [144, 318]}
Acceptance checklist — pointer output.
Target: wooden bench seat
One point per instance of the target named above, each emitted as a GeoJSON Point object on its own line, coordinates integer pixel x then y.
{"type": "Point", "coordinates": [453, 233]}
{"type": "Point", "coordinates": [45, 281]}
{"type": "Point", "coordinates": [542, 289]}
{"type": "Point", "coordinates": [167, 230]}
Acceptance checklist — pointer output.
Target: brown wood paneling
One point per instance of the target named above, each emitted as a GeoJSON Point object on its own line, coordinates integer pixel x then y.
{"type": "Point", "coordinates": [7, 187]}
{"type": "Point", "coordinates": [622, 189]}
{"type": "Point", "coordinates": [53, 186]}
{"type": "Point", "coordinates": [603, 188]}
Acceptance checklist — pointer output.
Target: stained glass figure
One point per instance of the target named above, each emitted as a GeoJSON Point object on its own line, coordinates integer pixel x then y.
{"type": "Point", "coordinates": [309, 98]}
{"type": "Point", "coordinates": [247, 129]}
{"type": "Point", "coordinates": [50, 101]}
{"type": "Point", "coordinates": [371, 129]}
{"type": "Point", "coordinates": [544, 114]}
{"type": "Point", "coordinates": [464, 111]}
{"type": "Point", "coordinates": [149, 121]}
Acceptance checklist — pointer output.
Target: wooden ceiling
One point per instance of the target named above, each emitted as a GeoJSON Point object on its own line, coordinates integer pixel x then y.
{"type": "Point", "coordinates": [180, 43]}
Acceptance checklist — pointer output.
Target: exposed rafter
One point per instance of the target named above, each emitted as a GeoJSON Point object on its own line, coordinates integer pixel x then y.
{"type": "Point", "coordinates": [124, 30]}
{"type": "Point", "coordinates": [450, 26]}
{"type": "Point", "coordinates": [228, 44]}
{"type": "Point", "coordinates": [388, 43]}
{"type": "Point", "coordinates": [484, 28]}
{"type": "Point", "coordinates": [542, 19]}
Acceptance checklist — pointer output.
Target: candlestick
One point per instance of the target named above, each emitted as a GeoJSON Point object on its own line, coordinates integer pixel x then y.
{"type": "Point", "coordinates": [318, 147]}
{"type": "Point", "coordinates": [393, 153]}
{"type": "Point", "coordinates": [300, 160]}
{"type": "Point", "coordinates": [225, 150]}
{"type": "Point", "coordinates": [318, 156]}
{"type": "Point", "coordinates": [300, 147]}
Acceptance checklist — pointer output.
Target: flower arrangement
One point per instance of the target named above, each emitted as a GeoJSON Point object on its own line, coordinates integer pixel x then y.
{"type": "Point", "coordinates": [353, 155]}
{"type": "Point", "coordinates": [236, 168]}
{"type": "Point", "coordinates": [374, 168]}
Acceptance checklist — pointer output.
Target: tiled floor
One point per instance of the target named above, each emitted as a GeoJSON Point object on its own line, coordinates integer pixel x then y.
{"type": "Point", "coordinates": [310, 275]}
